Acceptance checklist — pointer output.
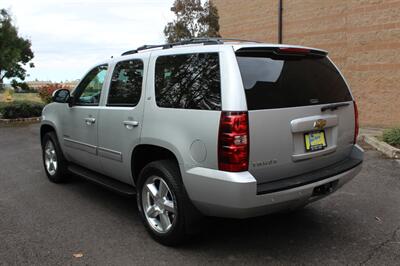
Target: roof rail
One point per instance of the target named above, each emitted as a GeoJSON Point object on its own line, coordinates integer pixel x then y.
{"type": "Point", "coordinates": [204, 41]}
{"type": "Point", "coordinates": [129, 52]}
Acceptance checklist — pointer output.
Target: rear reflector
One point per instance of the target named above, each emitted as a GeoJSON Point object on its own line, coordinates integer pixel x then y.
{"type": "Point", "coordinates": [356, 125]}
{"type": "Point", "coordinates": [233, 142]}
{"type": "Point", "coordinates": [294, 50]}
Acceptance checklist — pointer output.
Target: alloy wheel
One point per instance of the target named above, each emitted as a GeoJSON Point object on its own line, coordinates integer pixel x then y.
{"type": "Point", "coordinates": [50, 158]}
{"type": "Point", "coordinates": [159, 204]}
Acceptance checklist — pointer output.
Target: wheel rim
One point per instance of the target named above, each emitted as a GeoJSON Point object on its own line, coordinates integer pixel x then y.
{"type": "Point", "coordinates": [50, 158]}
{"type": "Point", "coordinates": [159, 204]}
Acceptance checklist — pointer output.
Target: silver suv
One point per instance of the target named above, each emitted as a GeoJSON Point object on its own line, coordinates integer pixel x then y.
{"type": "Point", "coordinates": [207, 127]}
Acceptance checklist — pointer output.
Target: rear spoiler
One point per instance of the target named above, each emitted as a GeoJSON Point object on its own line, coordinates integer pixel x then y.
{"type": "Point", "coordinates": [280, 51]}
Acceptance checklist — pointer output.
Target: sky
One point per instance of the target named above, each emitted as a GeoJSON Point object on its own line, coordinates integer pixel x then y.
{"type": "Point", "coordinates": [70, 36]}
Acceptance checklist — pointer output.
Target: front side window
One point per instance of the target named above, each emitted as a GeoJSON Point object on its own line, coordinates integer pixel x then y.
{"type": "Point", "coordinates": [188, 81]}
{"type": "Point", "coordinates": [126, 83]}
{"type": "Point", "coordinates": [89, 90]}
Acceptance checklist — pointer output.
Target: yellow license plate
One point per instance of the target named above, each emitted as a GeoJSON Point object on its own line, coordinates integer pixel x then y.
{"type": "Point", "coordinates": [315, 141]}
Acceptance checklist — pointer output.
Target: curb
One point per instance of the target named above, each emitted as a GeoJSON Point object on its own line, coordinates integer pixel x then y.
{"type": "Point", "coordinates": [18, 120]}
{"type": "Point", "coordinates": [381, 146]}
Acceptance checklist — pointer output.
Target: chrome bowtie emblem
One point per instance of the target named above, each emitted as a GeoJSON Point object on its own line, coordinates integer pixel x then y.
{"type": "Point", "coordinates": [320, 124]}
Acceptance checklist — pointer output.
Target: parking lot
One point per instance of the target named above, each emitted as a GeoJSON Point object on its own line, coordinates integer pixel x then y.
{"type": "Point", "coordinates": [42, 223]}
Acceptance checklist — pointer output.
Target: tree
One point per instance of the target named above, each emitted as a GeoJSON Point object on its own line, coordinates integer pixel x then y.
{"type": "Point", "coordinates": [20, 86]}
{"type": "Point", "coordinates": [193, 20]}
{"type": "Point", "coordinates": [15, 51]}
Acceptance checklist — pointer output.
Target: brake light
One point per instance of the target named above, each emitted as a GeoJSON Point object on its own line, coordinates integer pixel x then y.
{"type": "Point", "coordinates": [233, 142]}
{"type": "Point", "coordinates": [356, 125]}
{"type": "Point", "coordinates": [294, 50]}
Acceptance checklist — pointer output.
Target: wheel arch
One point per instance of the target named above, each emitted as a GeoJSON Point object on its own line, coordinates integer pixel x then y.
{"type": "Point", "coordinates": [48, 126]}
{"type": "Point", "coordinates": [146, 153]}
{"type": "Point", "coordinates": [45, 128]}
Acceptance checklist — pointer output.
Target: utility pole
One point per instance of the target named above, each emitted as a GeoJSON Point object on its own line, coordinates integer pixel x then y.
{"type": "Point", "coordinates": [280, 11]}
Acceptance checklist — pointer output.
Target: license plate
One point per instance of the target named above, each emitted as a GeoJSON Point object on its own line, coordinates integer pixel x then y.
{"type": "Point", "coordinates": [315, 141]}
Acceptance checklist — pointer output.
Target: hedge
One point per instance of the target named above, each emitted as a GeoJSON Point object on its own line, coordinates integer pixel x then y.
{"type": "Point", "coordinates": [20, 109]}
{"type": "Point", "coordinates": [392, 136]}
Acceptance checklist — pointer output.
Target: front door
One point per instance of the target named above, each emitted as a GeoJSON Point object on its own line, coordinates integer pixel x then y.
{"type": "Point", "coordinates": [80, 123]}
{"type": "Point", "coordinates": [121, 119]}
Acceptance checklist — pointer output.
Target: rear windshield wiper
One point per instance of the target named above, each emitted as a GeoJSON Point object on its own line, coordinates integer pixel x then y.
{"type": "Point", "coordinates": [333, 106]}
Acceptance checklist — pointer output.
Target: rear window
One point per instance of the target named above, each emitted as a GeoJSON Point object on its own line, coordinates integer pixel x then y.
{"type": "Point", "coordinates": [126, 83]}
{"type": "Point", "coordinates": [290, 81]}
{"type": "Point", "coordinates": [188, 81]}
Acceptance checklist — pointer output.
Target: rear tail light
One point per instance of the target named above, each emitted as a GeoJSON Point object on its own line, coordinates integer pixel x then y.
{"type": "Point", "coordinates": [356, 125]}
{"type": "Point", "coordinates": [233, 142]}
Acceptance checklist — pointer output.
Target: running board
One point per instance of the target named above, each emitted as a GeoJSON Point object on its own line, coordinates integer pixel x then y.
{"type": "Point", "coordinates": [103, 180]}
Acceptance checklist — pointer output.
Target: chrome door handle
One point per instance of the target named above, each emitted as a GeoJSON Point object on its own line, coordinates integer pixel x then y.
{"type": "Point", "coordinates": [90, 120]}
{"type": "Point", "coordinates": [131, 124]}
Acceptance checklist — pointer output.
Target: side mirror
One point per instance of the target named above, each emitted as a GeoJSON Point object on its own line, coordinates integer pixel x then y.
{"type": "Point", "coordinates": [61, 96]}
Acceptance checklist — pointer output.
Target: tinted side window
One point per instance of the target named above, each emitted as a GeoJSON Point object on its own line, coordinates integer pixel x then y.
{"type": "Point", "coordinates": [126, 83]}
{"type": "Point", "coordinates": [189, 81]}
{"type": "Point", "coordinates": [274, 82]}
{"type": "Point", "coordinates": [89, 90]}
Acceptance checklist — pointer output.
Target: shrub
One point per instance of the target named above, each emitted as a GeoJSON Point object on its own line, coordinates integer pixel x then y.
{"type": "Point", "coordinates": [21, 87]}
{"type": "Point", "coordinates": [392, 136]}
{"type": "Point", "coordinates": [20, 109]}
{"type": "Point", "coordinates": [46, 91]}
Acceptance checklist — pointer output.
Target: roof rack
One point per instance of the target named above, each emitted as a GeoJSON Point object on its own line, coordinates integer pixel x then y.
{"type": "Point", "coordinates": [204, 41]}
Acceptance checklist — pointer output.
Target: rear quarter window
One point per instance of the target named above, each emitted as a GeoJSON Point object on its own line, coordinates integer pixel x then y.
{"type": "Point", "coordinates": [281, 82]}
{"type": "Point", "coordinates": [188, 81]}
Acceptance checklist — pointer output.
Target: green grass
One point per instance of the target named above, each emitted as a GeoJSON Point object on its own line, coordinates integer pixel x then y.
{"type": "Point", "coordinates": [33, 97]}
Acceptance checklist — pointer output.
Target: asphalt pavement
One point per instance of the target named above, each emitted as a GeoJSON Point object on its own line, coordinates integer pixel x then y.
{"type": "Point", "coordinates": [42, 223]}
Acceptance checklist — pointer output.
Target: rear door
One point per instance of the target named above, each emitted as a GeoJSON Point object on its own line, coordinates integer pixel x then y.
{"type": "Point", "coordinates": [301, 114]}
{"type": "Point", "coordinates": [121, 118]}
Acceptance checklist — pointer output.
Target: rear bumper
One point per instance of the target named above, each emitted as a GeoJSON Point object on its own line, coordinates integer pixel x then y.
{"type": "Point", "coordinates": [225, 194]}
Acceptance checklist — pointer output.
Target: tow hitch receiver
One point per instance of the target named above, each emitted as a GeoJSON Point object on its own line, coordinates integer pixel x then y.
{"type": "Point", "coordinates": [325, 189]}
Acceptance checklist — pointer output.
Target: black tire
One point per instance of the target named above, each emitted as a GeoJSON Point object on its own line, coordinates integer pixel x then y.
{"type": "Point", "coordinates": [61, 171]}
{"type": "Point", "coordinates": [169, 172]}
